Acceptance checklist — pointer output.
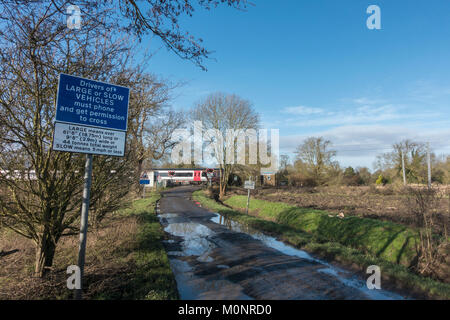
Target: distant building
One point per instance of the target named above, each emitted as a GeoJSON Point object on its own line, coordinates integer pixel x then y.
{"type": "Point", "coordinates": [268, 178]}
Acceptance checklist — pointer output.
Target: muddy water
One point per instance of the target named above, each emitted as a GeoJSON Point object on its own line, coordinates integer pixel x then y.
{"type": "Point", "coordinates": [190, 245]}
{"type": "Point", "coordinates": [346, 277]}
{"type": "Point", "coordinates": [216, 258]}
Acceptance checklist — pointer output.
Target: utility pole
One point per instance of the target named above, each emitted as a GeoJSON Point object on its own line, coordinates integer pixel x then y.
{"type": "Point", "coordinates": [84, 221]}
{"type": "Point", "coordinates": [429, 164]}
{"type": "Point", "coordinates": [403, 168]}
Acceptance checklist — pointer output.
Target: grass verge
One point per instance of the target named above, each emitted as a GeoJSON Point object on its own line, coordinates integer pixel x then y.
{"type": "Point", "coordinates": [152, 277]}
{"type": "Point", "coordinates": [396, 275]}
{"type": "Point", "coordinates": [125, 259]}
{"type": "Point", "coordinates": [387, 240]}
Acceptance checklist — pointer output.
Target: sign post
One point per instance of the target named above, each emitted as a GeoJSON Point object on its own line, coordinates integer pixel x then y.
{"type": "Point", "coordinates": [158, 181]}
{"type": "Point", "coordinates": [209, 175]}
{"type": "Point", "coordinates": [144, 180]}
{"type": "Point", "coordinates": [248, 201]}
{"type": "Point", "coordinates": [91, 118]}
{"type": "Point", "coordinates": [249, 185]}
{"type": "Point", "coordinates": [84, 219]}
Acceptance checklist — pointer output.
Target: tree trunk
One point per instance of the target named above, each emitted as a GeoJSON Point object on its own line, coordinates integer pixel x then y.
{"type": "Point", "coordinates": [45, 252]}
{"type": "Point", "coordinates": [140, 166]}
{"type": "Point", "coordinates": [222, 190]}
{"type": "Point", "coordinates": [223, 183]}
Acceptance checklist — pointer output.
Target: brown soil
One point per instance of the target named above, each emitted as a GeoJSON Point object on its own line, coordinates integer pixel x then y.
{"type": "Point", "coordinates": [377, 203]}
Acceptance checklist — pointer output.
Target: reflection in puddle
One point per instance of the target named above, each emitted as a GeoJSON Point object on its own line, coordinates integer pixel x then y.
{"type": "Point", "coordinates": [183, 275]}
{"type": "Point", "coordinates": [175, 253]}
{"type": "Point", "coordinates": [205, 257]}
{"type": "Point", "coordinates": [195, 237]}
{"type": "Point", "coordinates": [344, 276]}
{"type": "Point", "coordinates": [195, 242]}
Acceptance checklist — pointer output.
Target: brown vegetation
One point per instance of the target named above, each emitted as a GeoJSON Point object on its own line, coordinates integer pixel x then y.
{"type": "Point", "coordinates": [380, 202]}
{"type": "Point", "coordinates": [425, 204]}
{"type": "Point", "coordinates": [108, 262]}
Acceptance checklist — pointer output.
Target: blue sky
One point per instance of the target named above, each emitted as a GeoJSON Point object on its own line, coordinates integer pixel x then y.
{"type": "Point", "coordinates": [313, 68]}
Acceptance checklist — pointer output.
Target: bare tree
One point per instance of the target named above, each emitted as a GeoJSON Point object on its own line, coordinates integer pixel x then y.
{"type": "Point", "coordinates": [159, 133]}
{"type": "Point", "coordinates": [415, 160]}
{"type": "Point", "coordinates": [160, 18]}
{"type": "Point", "coordinates": [41, 189]}
{"type": "Point", "coordinates": [284, 162]}
{"type": "Point", "coordinates": [316, 156]}
{"type": "Point", "coordinates": [220, 113]}
{"type": "Point", "coordinates": [151, 121]}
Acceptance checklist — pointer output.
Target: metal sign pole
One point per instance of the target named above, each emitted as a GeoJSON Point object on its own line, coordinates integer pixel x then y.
{"type": "Point", "coordinates": [84, 222]}
{"type": "Point", "coordinates": [68, 128]}
{"type": "Point", "coordinates": [248, 199]}
{"type": "Point", "coordinates": [249, 184]}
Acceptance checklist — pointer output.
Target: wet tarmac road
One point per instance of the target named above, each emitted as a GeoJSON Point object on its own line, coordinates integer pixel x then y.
{"type": "Point", "coordinates": [214, 258]}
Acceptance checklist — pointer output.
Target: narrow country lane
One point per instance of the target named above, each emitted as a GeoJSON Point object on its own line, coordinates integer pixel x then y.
{"type": "Point", "coordinates": [217, 259]}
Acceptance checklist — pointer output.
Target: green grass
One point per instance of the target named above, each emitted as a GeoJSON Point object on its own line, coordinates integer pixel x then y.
{"type": "Point", "coordinates": [265, 209]}
{"type": "Point", "coordinates": [152, 277]}
{"type": "Point", "coordinates": [390, 241]}
{"type": "Point", "coordinates": [315, 235]}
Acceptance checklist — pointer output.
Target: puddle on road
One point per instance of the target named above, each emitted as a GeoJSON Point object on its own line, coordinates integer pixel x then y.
{"type": "Point", "coordinates": [191, 287]}
{"type": "Point", "coordinates": [195, 242]}
{"type": "Point", "coordinates": [195, 237]}
{"type": "Point", "coordinates": [346, 277]}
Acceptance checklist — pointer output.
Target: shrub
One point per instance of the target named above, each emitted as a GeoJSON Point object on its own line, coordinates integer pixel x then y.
{"type": "Point", "coordinates": [300, 180]}
{"type": "Point", "coordinates": [381, 180]}
{"type": "Point", "coordinates": [423, 204]}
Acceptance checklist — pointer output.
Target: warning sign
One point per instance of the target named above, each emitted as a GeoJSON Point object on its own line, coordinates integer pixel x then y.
{"type": "Point", "coordinates": [91, 116]}
{"type": "Point", "coordinates": [76, 138]}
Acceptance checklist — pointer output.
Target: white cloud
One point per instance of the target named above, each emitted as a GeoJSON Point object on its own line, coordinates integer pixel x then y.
{"type": "Point", "coordinates": [364, 114]}
{"type": "Point", "coordinates": [367, 101]}
{"type": "Point", "coordinates": [358, 145]}
{"type": "Point", "coordinates": [302, 110]}
{"type": "Point", "coordinates": [429, 92]}
{"type": "Point", "coordinates": [361, 114]}
{"type": "Point", "coordinates": [366, 127]}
